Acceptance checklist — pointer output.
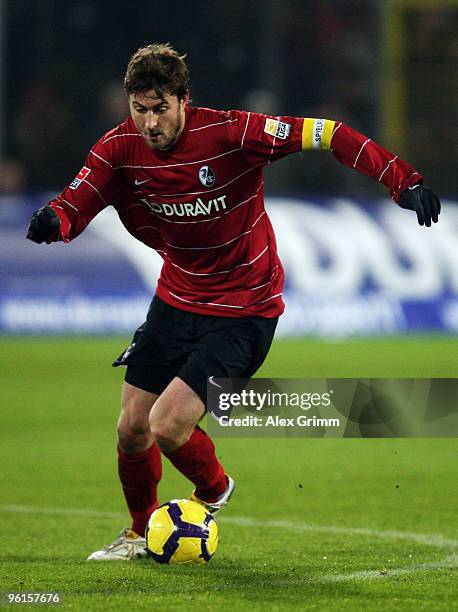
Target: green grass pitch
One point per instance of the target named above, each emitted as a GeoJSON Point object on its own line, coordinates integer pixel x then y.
{"type": "Point", "coordinates": [326, 524]}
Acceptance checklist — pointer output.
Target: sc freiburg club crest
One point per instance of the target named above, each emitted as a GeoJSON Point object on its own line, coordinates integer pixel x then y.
{"type": "Point", "coordinates": [207, 176]}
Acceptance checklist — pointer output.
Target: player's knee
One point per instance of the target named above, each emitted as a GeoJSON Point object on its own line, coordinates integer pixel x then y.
{"type": "Point", "coordinates": [132, 427]}
{"type": "Point", "coordinates": [168, 435]}
{"type": "Point", "coordinates": [133, 431]}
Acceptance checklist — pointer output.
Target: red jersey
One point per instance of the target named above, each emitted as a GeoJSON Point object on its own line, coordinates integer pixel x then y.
{"type": "Point", "coordinates": [201, 204]}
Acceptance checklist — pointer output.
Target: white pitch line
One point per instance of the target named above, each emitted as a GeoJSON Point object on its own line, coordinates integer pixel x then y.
{"type": "Point", "coordinates": [435, 540]}
{"type": "Point", "coordinates": [61, 511]}
{"type": "Point", "coordinates": [450, 562]}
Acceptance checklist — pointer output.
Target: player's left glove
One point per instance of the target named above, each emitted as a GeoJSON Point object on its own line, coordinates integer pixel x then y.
{"type": "Point", "coordinates": [423, 201]}
{"type": "Point", "coordinates": [44, 225]}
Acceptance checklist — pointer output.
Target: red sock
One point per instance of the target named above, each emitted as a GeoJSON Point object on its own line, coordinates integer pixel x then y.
{"type": "Point", "coordinates": [197, 461]}
{"type": "Point", "coordinates": [140, 474]}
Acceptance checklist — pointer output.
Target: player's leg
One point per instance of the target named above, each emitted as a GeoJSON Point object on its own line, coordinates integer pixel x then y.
{"type": "Point", "coordinates": [149, 370]}
{"type": "Point", "coordinates": [139, 468]}
{"type": "Point", "coordinates": [173, 421]}
{"type": "Point", "coordinates": [139, 458]}
{"type": "Point", "coordinates": [151, 364]}
{"type": "Point", "coordinates": [224, 349]}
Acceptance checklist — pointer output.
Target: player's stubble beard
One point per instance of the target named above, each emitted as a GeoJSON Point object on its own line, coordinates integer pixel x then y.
{"type": "Point", "coordinates": [180, 119]}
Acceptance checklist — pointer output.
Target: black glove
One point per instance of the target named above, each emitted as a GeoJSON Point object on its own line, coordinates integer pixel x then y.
{"type": "Point", "coordinates": [43, 225]}
{"type": "Point", "coordinates": [423, 201]}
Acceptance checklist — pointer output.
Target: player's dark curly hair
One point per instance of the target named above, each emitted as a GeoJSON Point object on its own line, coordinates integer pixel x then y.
{"type": "Point", "coordinates": [157, 67]}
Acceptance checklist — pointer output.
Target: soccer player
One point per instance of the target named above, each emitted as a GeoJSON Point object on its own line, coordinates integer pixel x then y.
{"type": "Point", "coordinates": [188, 182]}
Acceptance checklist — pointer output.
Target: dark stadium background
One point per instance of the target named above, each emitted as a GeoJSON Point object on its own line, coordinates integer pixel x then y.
{"type": "Point", "coordinates": [386, 68]}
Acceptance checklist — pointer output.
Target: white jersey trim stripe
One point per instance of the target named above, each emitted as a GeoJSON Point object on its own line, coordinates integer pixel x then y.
{"type": "Point", "coordinates": [203, 127]}
{"type": "Point", "coordinates": [96, 190]}
{"type": "Point", "coordinates": [216, 246]}
{"type": "Point", "coordinates": [268, 282]}
{"type": "Point", "coordinates": [261, 286]}
{"type": "Point", "coordinates": [71, 205]}
{"type": "Point", "coordinates": [254, 222]}
{"type": "Point", "coordinates": [387, 166]}
{"type": "Point", "coordinates": [335, 129]}
{"type": "Point", "coordinates": [69, 224]}
{"type": "Point", "coordinates": [408, 179]}
{"type": "Point", "coordinates": [204, 303]}
{"type": "Point", "coordinates": [101, 158]}
{"type": "Point", "coordinates": [179, 222]}
{"type": "Point", "coordinates": [198, 161]}
{"type": "Point", "coordinates": [269, 298]}
{"type": "Point", "coordinates": [269, 161]}
{"type": "Point", "coordinates": [244, 201]}
{"type": "Point", "coordinates": [75, 209]}
{"type": "Point", "coordinates": [224, 305]}
{"type": "Point", "coordinates": [246, 127]}
{"type": "Point", "coordinates": [249, 263]}
{"type": "Point", "coordinates": [120, 136]}
{"type": "Point", "coordinates": [172, 195]}
{"type": "Point", "coordinates": [360, 151]}
{"type": "Point", "coordinates": [133, 206]}
{"type": "Point", "coordinates": [151, 227]}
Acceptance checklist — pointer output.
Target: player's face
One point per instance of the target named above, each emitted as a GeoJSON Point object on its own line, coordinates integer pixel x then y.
{"type": "Point", "coordinates": [159, 120]}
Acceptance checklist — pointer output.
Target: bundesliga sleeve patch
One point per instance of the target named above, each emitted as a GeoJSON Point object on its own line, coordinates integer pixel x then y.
{"type": "Point", "coordinates": [277, 129]}
{"type": "Point", "coordinates": [79, 178]}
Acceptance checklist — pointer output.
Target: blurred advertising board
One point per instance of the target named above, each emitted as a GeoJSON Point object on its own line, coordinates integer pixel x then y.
{"type": "Point", "coordinates": [352, 268]}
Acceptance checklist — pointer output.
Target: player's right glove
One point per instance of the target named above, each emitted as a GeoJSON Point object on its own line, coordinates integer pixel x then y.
{"type": "Point", "coordinates": [44, 225]}
{"type": "Point", "coordinates": [423, 201]}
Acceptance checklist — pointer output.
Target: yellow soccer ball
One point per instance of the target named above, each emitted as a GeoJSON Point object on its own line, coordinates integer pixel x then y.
{"type": "Point", "coordinates": [181, 532]}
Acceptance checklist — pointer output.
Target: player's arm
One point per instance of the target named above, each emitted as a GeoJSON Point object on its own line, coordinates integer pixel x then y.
{"type": "Point", "coordinates": [363, 154]}
{"type": "Point", "coordinates": [70, 212]}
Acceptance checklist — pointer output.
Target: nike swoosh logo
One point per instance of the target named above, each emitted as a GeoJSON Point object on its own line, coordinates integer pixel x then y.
{"type": "Point", "coordinates": [212, 382]}
{"type": "Point", "coordinates": [414, 187]}
{"type": "Point", "coordinates": [140, 182]}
